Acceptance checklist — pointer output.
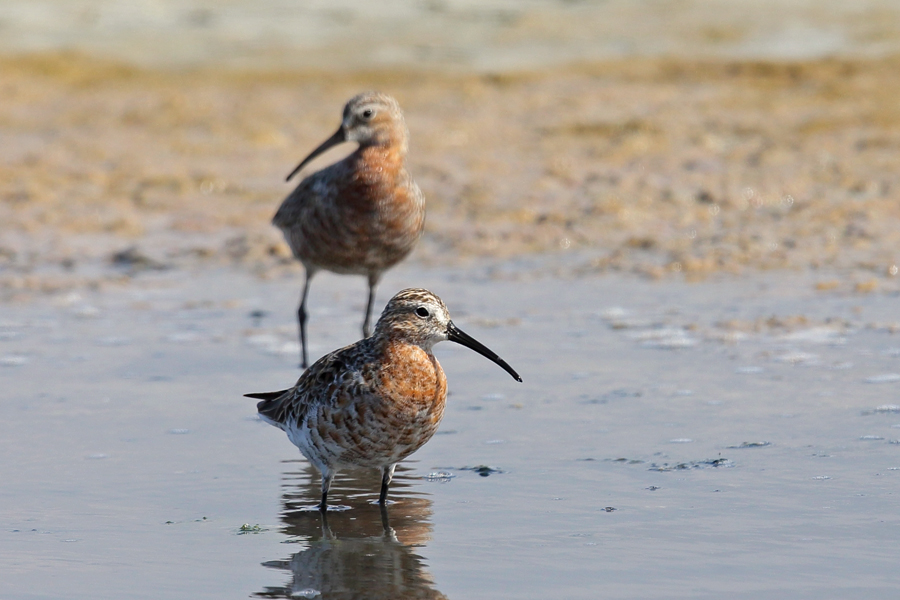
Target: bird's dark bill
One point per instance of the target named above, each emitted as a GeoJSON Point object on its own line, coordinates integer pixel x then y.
{"type": "Point", "coordinates": [266, 395]}
{"type": "Point", "coordinates": [338, 138]}
{"type": "Point", "coordinates": [455, 334]}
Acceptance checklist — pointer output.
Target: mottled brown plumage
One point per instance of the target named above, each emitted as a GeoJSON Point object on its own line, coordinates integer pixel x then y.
{"type": "Point", "coordinates": [375, 402]}
{"type": "Point", "coordinates": [361, 215]}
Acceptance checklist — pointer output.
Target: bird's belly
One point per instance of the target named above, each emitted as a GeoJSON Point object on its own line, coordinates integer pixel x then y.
{"type": "Point", "coordinates": [349, 252]}
{"type": "Point", "coordinates": [398, 411]}
{"type": "Point", "coordinates": [354, 238]}
{"type": "Point", "coordinates": [396, 442]}
{"type": "Point", "coordinates": [368, 438]}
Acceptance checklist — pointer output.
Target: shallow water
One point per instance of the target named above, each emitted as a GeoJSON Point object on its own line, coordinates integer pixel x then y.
{"type": "Point", "coordinates": [735, 437]}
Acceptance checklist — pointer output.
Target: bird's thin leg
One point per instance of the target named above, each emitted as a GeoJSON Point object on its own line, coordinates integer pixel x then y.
{"type": "Point", "coordinates": [367, 322]}
{"type": "Point", "coordinates": [302, 317]}
{"type": "Point", "coordinates": [385, 519]}
{"type": "Point", "coordinates": [327, 478]}
{"type": "Point", "coordinates": [387, 473]}
{"type": "Point", "coordinates": [326, 529]}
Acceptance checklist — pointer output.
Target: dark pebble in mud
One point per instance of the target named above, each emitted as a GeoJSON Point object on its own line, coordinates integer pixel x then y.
{"type": "Point", "coordinates": [482, 470]}
{"type": "Point", "coordinates": [630, 461]}
{"type": "Point", "coordinates": [258, 315]}
{"type": "Point", "coordinates": [685, 466]}
{"type": "Point", "coordinates": [135, 260]}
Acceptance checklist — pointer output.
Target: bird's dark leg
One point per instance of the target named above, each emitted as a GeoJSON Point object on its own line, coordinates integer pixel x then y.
{"type": "Point", "coordinates": [385, 519]}
{"type": "Point", "coordinates": [387, 473]}
{"type": "Point", "coordinates": [326, 530]}
{"type": "Point", "coordinates": [327, 478]}
{"type": "Point", "coordinates": [302, 317]}
{"type": "Point", "coordinates": [367, 322]}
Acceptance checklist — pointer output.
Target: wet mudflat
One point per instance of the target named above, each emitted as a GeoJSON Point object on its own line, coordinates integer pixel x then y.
{"type": "Point", "coordinates": [735, 437]}
{"type": "Point", "coordinates": [731, 437]}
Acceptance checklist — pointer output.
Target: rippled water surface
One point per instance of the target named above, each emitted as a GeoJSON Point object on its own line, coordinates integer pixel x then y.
{"type": "Point", "coordinates": [735, 438]}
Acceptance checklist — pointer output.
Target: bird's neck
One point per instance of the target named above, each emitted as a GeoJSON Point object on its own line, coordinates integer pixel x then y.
{"type": "Point", "coordinates": [375, 167]}
{"type": "Point", "coordinates": [389, 155]}
{"type": "Point", "coordinates": [388, 343]}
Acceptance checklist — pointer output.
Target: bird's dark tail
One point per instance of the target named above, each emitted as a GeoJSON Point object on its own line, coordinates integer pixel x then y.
{"type": "Point", "coordinates": [270, 406]}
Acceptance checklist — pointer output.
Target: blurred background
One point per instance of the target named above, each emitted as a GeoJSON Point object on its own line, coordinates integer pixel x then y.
{"type": "Point", "coordinates": [462, 35]}
{"type": "Point", "coordinates": [654, 136]}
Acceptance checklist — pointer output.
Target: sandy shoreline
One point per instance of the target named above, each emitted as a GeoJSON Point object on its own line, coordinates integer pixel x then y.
{"type": "Point", "coordinates": [656, 167]}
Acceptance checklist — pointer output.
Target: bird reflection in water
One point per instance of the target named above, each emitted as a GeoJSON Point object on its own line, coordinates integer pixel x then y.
{"type": "Point", "coordinates": [364, 551]}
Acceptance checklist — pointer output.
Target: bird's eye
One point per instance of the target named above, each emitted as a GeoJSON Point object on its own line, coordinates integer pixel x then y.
{"type": "Point", "coordinates": [368, 114]}
{"type": "Point", "coordinates": [422, 312]}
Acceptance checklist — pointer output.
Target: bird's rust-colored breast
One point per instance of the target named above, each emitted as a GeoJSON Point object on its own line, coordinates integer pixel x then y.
{"type": "Point", "coordinates": [414, 389]}
{"type": "Point", "coordinates": [360, 215]}
{"type": "Point", "coordinates": [382, 414]}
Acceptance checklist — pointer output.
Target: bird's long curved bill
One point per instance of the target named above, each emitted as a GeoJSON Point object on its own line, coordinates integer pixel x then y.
{"type": "Point", "coordinates": [338, 138]}
{"type": "Point", "coordinates": [455, 334]}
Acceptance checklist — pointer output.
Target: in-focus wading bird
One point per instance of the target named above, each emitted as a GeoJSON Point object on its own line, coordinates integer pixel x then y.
{"type": "Point", "coordinates": [361, 215]}
{"type": "Point", "coordinates": [375, 402]}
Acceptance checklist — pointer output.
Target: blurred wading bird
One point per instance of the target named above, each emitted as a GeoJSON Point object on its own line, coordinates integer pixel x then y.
{"type": "Point", "coordinates": [375, 402]}
{"type": "Point", "coordinates": [361, 215]}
